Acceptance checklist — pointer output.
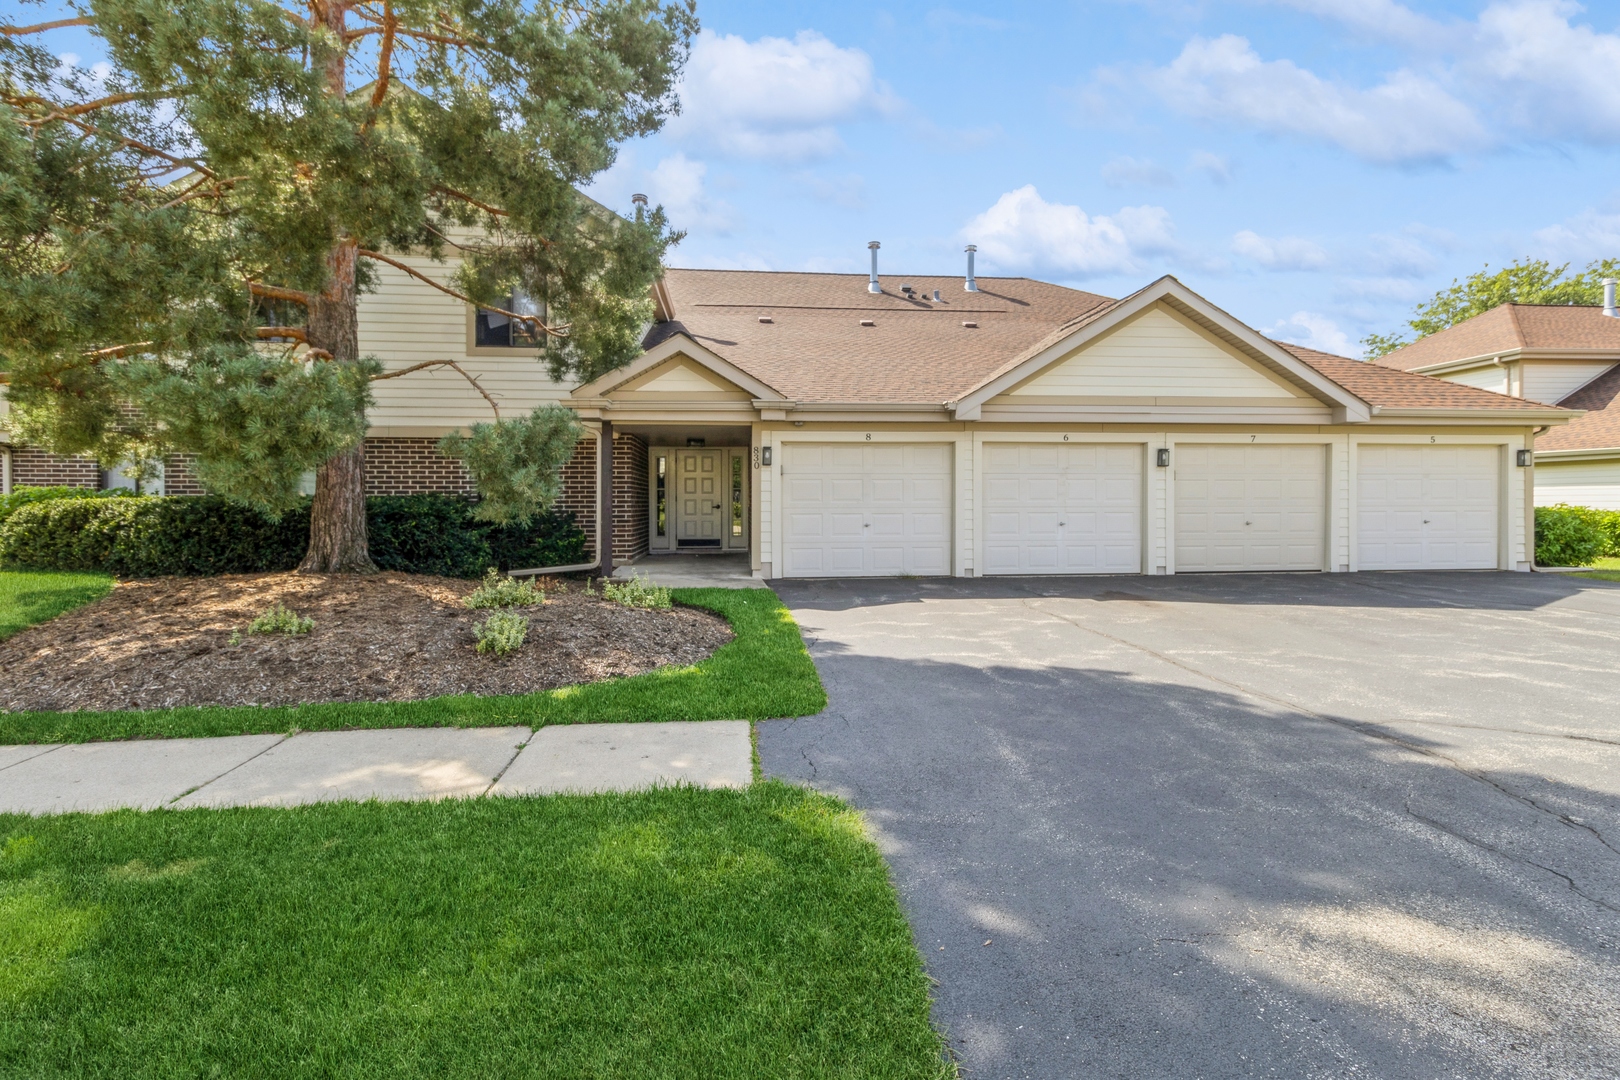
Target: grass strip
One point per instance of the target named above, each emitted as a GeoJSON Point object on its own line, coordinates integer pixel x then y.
{"type": "Point", "coordinates": [29, 597]}
{"type": "Point", "coordinates": [763, 673]}
{"type": "Point", "coordinates": [1603, 570]}
{"type": "Point", "coordinates": [670, 933]}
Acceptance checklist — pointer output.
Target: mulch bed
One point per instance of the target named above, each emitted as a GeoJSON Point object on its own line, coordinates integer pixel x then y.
{"type": "Point", "coordinates": [165, 642]}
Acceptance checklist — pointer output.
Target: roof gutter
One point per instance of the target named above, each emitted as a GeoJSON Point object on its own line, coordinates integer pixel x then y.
{"type": "Point", "coordinates": [1550, 415]}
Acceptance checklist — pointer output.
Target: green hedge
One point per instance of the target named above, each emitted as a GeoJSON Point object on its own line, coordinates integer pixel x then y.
{"type": "Point", "coordinates": [1575, 535]}
{"type": "Point", "coordinates": [148, 536]}
{"type": "Point", "coordinates": [28, 496]}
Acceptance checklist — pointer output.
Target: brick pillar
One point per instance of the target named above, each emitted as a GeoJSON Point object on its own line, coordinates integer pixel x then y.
{"type": "Point", "coordinates": [604, 486]}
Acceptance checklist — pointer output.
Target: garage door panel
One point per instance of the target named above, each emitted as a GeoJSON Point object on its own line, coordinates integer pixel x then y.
{"type": "Point", "coordinates": [1079, 508]}
{"type": "Point", "coordinates": [1427, 507]}
{"type": "Point", "coordinates": [880, 509]}
{"type": "Point", "coordinates": [1246, 506]}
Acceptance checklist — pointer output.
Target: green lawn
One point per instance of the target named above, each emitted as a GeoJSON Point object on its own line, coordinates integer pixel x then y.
{"type": "Point", "coordinates": [1604, 570]}
{"type": "Point", "coordinates": [670, 933]}
{"type": "Point", "coordinates": [763, 673]}
{"type": "Point", "coordinates": [32, 597]}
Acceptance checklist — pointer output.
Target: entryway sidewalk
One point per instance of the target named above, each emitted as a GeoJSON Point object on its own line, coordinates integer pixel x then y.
{"type": "Point", "coordinates": [389, 764]}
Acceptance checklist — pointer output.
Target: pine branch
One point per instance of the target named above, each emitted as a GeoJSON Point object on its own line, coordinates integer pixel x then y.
{"type": "Point", "coordinates": [385, 55]}
{"type": "Point", "coordinates": [40, 28]}
{"type": "Point", "coordinates": [438, 364]}
{"type": "Point", "coordinates": [132, 144]}
{"type": "Point", "coordinates": [116, 351]}
{"type": "Point", "coordinates": [276, 292]}
{"type": "Point", "coordinates": [271, 333]}
{"type": "Point", "coordinates": [534, 321]}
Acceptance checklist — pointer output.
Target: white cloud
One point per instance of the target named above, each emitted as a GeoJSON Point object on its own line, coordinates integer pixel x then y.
{"type": "Point", "coordinates": [679, 183]}
{"type": "Point", "coordinates": [1134, 172]}
{"type": "Point", "coordinates": [1281, 252]}
{"type": "Point", "coordinates": [1314, 332]}
{"type": "Point", "coordinates": [774, 98]}
{"type": "Point", "coordinates": [1589, 235]}
{"type": "Point", "coordinates": [847, 191]}
{"type": "Point", "coordinates": [1214, 166]}
{"type": "Point", "coordinates": [1405, 118]}
{"type": "Point", "coordinates": [1385, 20]}
{"type": "Point", "coordinates": [1024, 231]}
{"type": "Point", "coordinates": [1548, 77]}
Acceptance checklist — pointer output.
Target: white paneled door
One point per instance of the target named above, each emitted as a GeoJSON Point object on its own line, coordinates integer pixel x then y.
{"type": "Point", "coordinates": [1427, 507]}
{"type": "Point", "coordinates": [1062, 508]}
{"type": "Point", "coordinates": [866, 509]}
{"type": "Point", "coordinates": [1250, 506]}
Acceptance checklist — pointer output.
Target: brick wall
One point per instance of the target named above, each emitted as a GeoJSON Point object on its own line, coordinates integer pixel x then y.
{"type": "Point", "coordinates": [579, 490]}
{"type": "Point", "coordinates": [629, 498]}
{"type": "Point", "coordinates": [31, 467]}
{"type": "Point", "coordinates": [413, 466]}
{"type": "Point", "coordinates": [177, 476]}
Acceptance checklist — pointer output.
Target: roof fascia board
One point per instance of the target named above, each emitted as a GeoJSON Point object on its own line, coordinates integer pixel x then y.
{"type": "Point", "coordinates": [683, 345]}
{"type": "Point", "coordinates": [1596, 454]}
{"type": "Point", "coordinates": [1610, 356]}
{"type": "Point", "coordinates": [664, 306]}
{"type": "Point", "coordinates": [1515, 417]}
{"type": "Point", "coordinates": [1188, 303]}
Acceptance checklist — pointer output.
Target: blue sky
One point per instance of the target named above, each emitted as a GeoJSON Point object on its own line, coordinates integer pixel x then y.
{"type": "Point", "coordinates": [1313, 166]}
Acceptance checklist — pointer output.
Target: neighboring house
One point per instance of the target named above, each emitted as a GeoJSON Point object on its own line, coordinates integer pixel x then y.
{"type": "Point", "coordinates": [935, 428]}
{"type": "Point", "coordinates": [1568, 356]}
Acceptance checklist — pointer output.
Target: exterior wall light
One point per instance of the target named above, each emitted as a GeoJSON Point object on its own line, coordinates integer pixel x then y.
{"type": "Point", "coordinates": [1162, 458]}
{"type": "Point", "coordinates": [1526, 458]}
{"type": "Point", "coordinates": [764, 455]}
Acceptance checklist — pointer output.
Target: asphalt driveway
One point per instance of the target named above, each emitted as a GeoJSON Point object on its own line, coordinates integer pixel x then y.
{"type": "Point", "coordinates": [1253, 825]}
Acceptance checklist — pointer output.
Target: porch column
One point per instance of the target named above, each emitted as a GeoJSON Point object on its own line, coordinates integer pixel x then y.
{"type": "Point", "coordinates": [604, 487]}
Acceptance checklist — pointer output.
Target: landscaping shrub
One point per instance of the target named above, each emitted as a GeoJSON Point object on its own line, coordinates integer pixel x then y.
{"type": "Point", "coordinates": [637, 592]}
{"type": "Point", "coordinates": [501, 633]}
{"type": "Point", "coordinates": [149, 536]}
{"type": "Point", "coordinates": [27, 496]}
{"type": "Point", "coordinates": [500, 591]}
{"type": "Point", "coordinates": [1567, 536]}
{"type": "Point", "coordinates": [279, 619]}
{"type": "Point", "coordinates": [1607, 522]}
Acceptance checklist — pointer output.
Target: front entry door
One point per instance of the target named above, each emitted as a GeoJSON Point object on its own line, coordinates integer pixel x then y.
{"type": "Point", "coordinates": [701, 480]}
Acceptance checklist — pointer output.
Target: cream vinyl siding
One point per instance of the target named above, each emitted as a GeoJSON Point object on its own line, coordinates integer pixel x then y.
{"type": "Point", "coordinates": [1579, 483]}
{"type": "Point", "coordinates": [1486, 378]}
{"type": "Point", "coordinates": [1550, 382]}
{"type": "Point", "coordinates": [407, 322]}
{"type": "Point", "coordinates": [1154, 355]}
{"type": "Point", "coordinates": [682, 379]}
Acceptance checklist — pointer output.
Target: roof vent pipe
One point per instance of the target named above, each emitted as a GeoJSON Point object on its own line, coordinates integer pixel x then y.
{"type": "Point", "coordinates": [1608, 298]}
{"type": "Point", "coordinates": [970, 285]}
{"type": "Point", "coordinates": [872, 285]}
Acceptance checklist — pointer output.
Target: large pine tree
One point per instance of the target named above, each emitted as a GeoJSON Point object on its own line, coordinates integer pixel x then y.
{"type": "Point", "coordinates": [184, 237]}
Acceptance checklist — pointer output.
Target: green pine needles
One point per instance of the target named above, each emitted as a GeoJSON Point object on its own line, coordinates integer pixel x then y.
{"type": "Point", "coordinates": [517, 464]}
{"type": "Point", "coordinates": [184, 238]}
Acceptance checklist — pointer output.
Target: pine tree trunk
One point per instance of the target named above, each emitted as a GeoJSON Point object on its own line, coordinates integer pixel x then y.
{"type": "Point", "coordinates": [337, 521]}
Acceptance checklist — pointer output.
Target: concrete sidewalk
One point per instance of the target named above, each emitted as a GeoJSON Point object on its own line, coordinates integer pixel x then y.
{"type": "Point", "coordinates": [387, 763]}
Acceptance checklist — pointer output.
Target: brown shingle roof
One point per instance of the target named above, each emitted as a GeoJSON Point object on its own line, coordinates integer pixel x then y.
{"type": "Point", "coordinates": [1531, 327]}
{"type": "Point", "coordinates": [815, 349]}
{"type": "Point", "coordinates": [1599, 429]}
{"type": "Point", "coordinates": [1393, 389]}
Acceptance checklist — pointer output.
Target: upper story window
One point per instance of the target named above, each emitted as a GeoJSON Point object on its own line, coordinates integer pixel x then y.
{"type": "Point", "coordinates": [492, 330]}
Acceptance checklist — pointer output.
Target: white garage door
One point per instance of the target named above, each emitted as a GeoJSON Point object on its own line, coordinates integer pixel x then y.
{"type": "Point", "coordinates": [1062, 508]}
{"type": "Point", "coordinates": [866, 509]}
{"type": "Point", "coordinates": [1250, 507]}
{"type": "Point", "coordinates": [1426, 507]}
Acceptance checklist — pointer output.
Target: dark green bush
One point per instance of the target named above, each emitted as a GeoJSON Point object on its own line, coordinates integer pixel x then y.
{"type": "Point", "coordinates": [27, 496]}
{"type": "Point", "coordinates": [148, 536]}
{"type": "Point", "coordinates": [1566, 536]}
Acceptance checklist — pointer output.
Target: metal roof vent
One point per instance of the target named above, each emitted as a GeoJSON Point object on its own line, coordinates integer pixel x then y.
{"type": "Point", "coordinates": [868, 322]}
{"type": "Point", "coordinates": [937, 298]}
{"type": "Point", "coordinates": [766, 319]}
{"type": "Point", "coordinates": [872, 285]}
{"type": "Point", "coordinates": [970, 285]}
{"type": "Point", "coordinates": [639, 199]}
{"type": "Point", "coordinates": [1608, 298]}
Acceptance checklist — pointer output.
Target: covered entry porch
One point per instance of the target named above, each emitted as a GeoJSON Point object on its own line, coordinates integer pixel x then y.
{"type": "Point", "coordinates": [683, 497]}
